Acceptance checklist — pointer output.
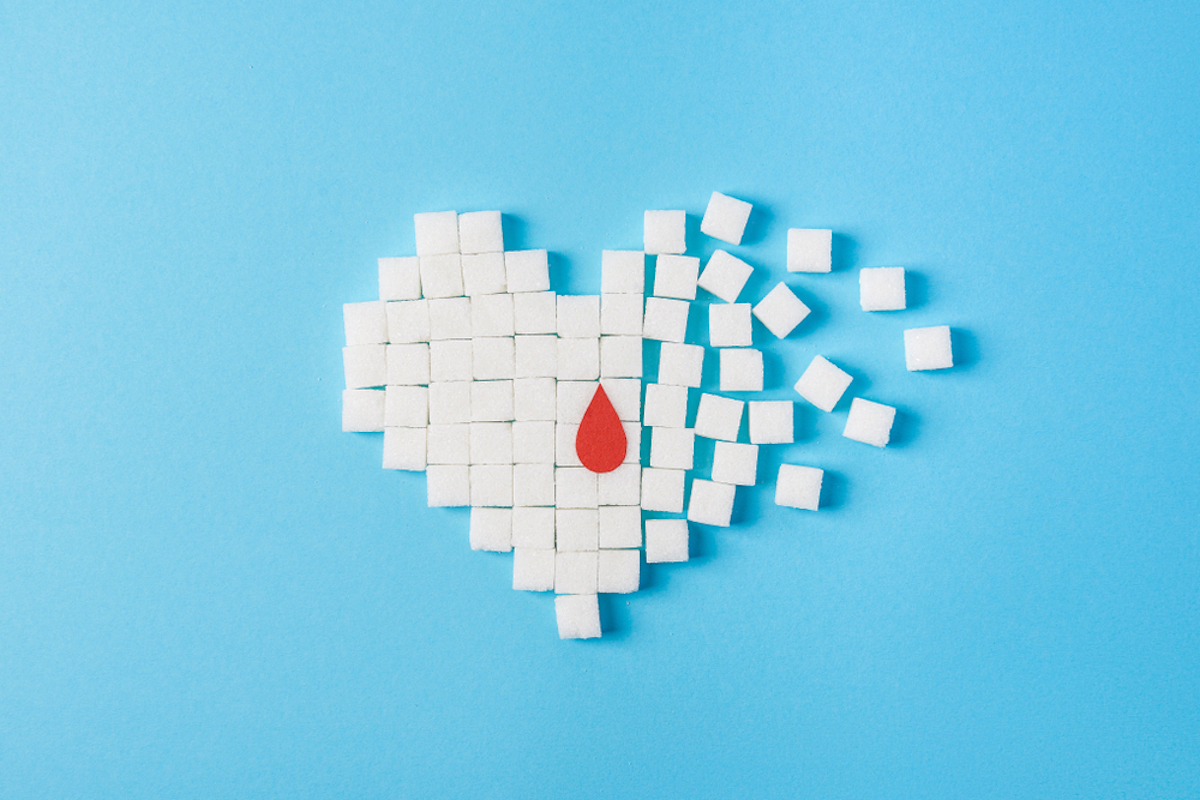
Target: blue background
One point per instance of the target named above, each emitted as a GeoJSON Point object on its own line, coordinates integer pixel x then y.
{"type": "Point", "coordinates": [207, 590]}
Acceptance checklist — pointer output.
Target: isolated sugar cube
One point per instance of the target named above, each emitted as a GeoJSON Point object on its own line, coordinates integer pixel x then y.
{"type": "Point", "coordinates": [406, 406]}
{"type": "Point", "coordinates": [534, 399]}
{"type": "Point", "coordinates": [680, 364]}
{"type": "Point", "coordinates": [621, 356]}
{"type": "Point", "coordinates": [725, 218]}
{"type": "Point", "coordinates": [365, 323]}
{"type": "Point", "coordinates": [675, 276]}
{"type": "Point", "coordinates": [491, 529]}
{"type": "Point", "coordinates": [729, 325]}
{"type": "Point", "coordinates": [625, 394]}
{"type": "Point", "coordinates": [881, 289]}
{"type": "Point", "coordinates": [665, 319]}
{"type": "Point", "coordinates": [578, 616]}
{"type": "Point", "coordinates": [620, 526]}
{"type": "Point", "coordinates": [407, 364]}
{"type": "Point", "coordinates": [450, 318]}
{"type": "Point", "coordinates": [365, 365]}
{"type": "Point", "coordinates": [535, 312]}
{"type": "Point", "coordinates": [575, 487]}
{"type": "Point", "coordinates": [400, 278]}
{"type": "Point", "coordinates": [780, 311]}
{"type": "Point", "coordinates": [735, 463]}
{"type": "Point", "coordinates": [666, 406]}
{"type": "Point", "coordinates": [533, 442]}
{"type": "Point", "coordinates": [536, 356]}
{"type": "Point", "coordinates": [362, 410]}
{"type": "Point", "coordinates": [437, 232]}
{"type": "Point", "coordinates": [619, 571]}
{"type": "Point", "coordinates": [575, 572]}
{"type": "Point", "coordinates": [491, 443]}
{"type": "Point", "coordinates": [665, 232]}
{"type": "Point", "coordinates": [579, 316]}
{"type": "Point", "coordinates": [441, 276]}
{"type": "Point", "coordinates": [527, 270]}
{"type": "Point", "coordinates": [493, 358]}
{"type": "Point", "coordinates": [449, 444]}
{"type": "Point", "coordinates": [622, 272]}
{"type": "Point", "coordinates": [492, 401]}
{"type": "Point", "coordinates": [666, 541]}
{"type": "Point", "coordinates": [621, 487]}
{"type": "Point", "coordinates": [578, 359]}
{"type": "Point", "coordinates": [823, 384]}
{"type": "Point", "coordinates": [484, 274]}
{"type": "Point", "coordinates": [533, 485]}
{"type": "Point", "coordinates": [672, 448]}
{"type": "Point", "coordinates": [448, 485]}
{"type": "Point", "coordinates": [809, 250]}
{"type": "Point", "coordinates": [662, 490]}
{"type": "Point", "coordinates": [449, 402]}
{"type": "Point", "coordinates": [928, 348]}
{"type": "Point", "coordinates": [621, 314]}
{"type": "Point", "coordinates": [719, 417]}
{"type": "Point", "coordinates": [711, 503]}
{"type": "Point", "coordinates": [725, 275]}
{"type": "Point", "coordinates": [869, 422]}
{"type": "Point", "coordinates": [534, 528]}
{"type": "Point", "coordinates": [799, 487]}
{"type": "Point", "coordinates": [451, 360]}
{"type": "Point", "coordinates": [491, 484]}
{"type": "Point", "coordinates": [492, 315]}
{"type": "Point", "coordinates": [741, 370]}
{"type": "Point", "coordinates": [480, 232]}
{"type": "Point", "coordinates": [408, 321]}
{"type": "Point", "coordinates": [533, 569]}
{"type": "Point", "coordinates": [771, 422]}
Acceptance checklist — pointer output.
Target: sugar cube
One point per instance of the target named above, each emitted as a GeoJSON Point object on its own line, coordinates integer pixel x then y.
{"type": "Point", "coordinates": [533, 442]}
{"type": "Point", "coordinates": [664, 232]}
{"type": "Point", "coordinates": [633, 442]}
{"type": "Point", "coordinates": [625, 394]}
{"type": "Point", "coordinates": [483, 274]}
{"type": "Point", "coordinates": [729, 325]}
{"type": "Point", "coordinates": [491, 443]}
{"type": "Point", "coordinates": [535, 312]}
{"type": "Point", "coordinates": [491, 529]}
{"type": "Point", "coordinates": [406, 407]}
{"type": "Point", "coordinates": [621, 314]}
{"type": "Point", "coordinates": [400, 278]}
{"type": "Point", "coordinates": [451, 360]}
{"type": "Point", "coordinates": [492, 315]}
{"type": "Point", "coordinates": [780, 311]}
{"type": "Point", "coordinates": [578, 616]}
{"type": "Point", "coordinates": [533, 485]}
{"type": "Point", "coordinates": [666, 541]}
{"type": "Point", "coordinates": [448, 485]}
{"type": "Point", "coordinates": [527, 270]}
{"type": "Point", "coordinates": [578, 359]}
{"type": "Point", "coordinates": [450, 318]}
{"type": "Point", "coordinates": [619, 571]}
{"type": "Point", "coordinates": [672, 448]}
{"type": "Point", "coordinates": [492, 401]}
{"type": "Point", "coordinates": [622, 272]}
{"type": "Point", "coordinates": [449, 402]}
{"type": "Point", "coordinates": [711, 503]}
{"type": "Point", "coordinates": [620, 526]}
{"type": "Point", "coordinates": [408, 364]}
{"type": "Point", "coordinates": [725, 218]}
{"type": "Point", "coordinates": [881, 289]}
{"type": "Point", "coordinates": [735, 463]}
{"type": "Point", "coordinates": [869, 422]}
{"type": "Point", "coordinates": [666, 406]}
{"type": "Point", "coordinates": [662, 489]}
{"type": "Point", "coordinates": [493, 358]}
{"type": "Point", "coordinates": [725, 275]}
{"type": "Point", "coordinates": [741, 370]}
{"type": "Point", "coordinates": [675, 276]}
{"type": "Point", "coordinates": [365, 365]}
{"type": "Point", "coordinates": [536, 356]}
{"type": "Point", "coordinates": [362, 410]}
{"type": "Point", "coordinates": [809, 250]}
{"type": "Point", "coordinates": [575, 572]}
{"type": "Point", "coordinates": [533, 569]}
{"type": "Point", "coordinates": [579, 316]}
{"type": "Point", "coordinates": [719, 417]}
{"type": "Point", "coordinates": [491, 484]}
{"type": "Point", "coordinates": [771, 422]}
{"type": "Point", "coordinates": [437, 233]}
{"type": "Point", "coordinates": [574, 397]}
{"type": "Point", "coordinates": [441, 276]}
{"type": "Point", "coordinates": [534, 399]}
{"type": "Point", "coordinates": [621, 487]}
{"type": "Point", "coordinates": [620, 356]}
{"type": "Point", "coordinates": [449, 444]}
{"type": "Point", "coordinates": [480, 232]}
{"type": "Point", "coordinates": [575, 487]}
{"type": "Point", "coordinates": [533, 527]}
{"type": "Point", "coordinates": [576, 529]}
{"type": "Point", "coordinates": [665, 319]}
{"type": "Point", "coordinates": [565, 454]}
{"type": "Point", "coordinates": [799, 487]}
{"type": "Point", "coordinates": [928, 348]}
{"type": "Point", "coordinates": [680, 364]}
{"type": "Point", "coordinates": [408, 321]}
{"type": "Point", "coordinates": [823, 384]}
{"type": "Point", "coordinates": [365, 323]}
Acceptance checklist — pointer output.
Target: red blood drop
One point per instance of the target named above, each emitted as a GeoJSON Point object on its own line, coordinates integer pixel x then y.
{"type": "Point", "coordinates": [601, 442]}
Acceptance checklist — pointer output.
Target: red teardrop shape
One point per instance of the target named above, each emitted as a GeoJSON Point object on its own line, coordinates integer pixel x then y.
{"type": "Point", "coordinates": [601, 442]}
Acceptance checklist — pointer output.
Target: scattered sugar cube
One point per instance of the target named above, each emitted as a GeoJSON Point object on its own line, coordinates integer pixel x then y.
{"type": "Point", "coordinates": [491, 529]}
{"type": "Point", "coordinates": [735, 463]}
{"type": "Point", "coordinates": [533, 527]}
{"type": "Point", "coordinates": [680, 364]}
{"type": "Point", "coordinates": [620, 356]}
{"type": "Point", "coordinates": [484, 274]}
{"type": "Point", "coordinates": [780, 311]}
{"type": "Point", "coordinates": [672, 448]}
{"type": "Point", "coordinates": [633, 442]}
{"type": "Point", "coordinates": [533, 485]}
{"type": "Point", "coordinates": [493, 358]}
{"type": "Point", "coordinates": [448, 485]}
{"type": "Point", "coordinates": [809, 250]}
{"type": "Point", "coordinates": [480, 232]}
{"type": "Point", "coordinates": [622, 272]}
{"type": "Point", "coordinates": [534, 399]}
{"type": "Point", "coordinates": [362, 410]}
{"type": "Point", "coordinates": [449, 402]}
{"type": "Point", "coordinates": [928, 348]}
{"type": "Point", "coordinates": [451, 360]}
{"type": "Point", "coordinates": [741, 370]}
{"type": "Point", "coordinates": [450, 318]}
{"type": "Point", "coordinates": [574, 397]}
{"type": "Point", "coordinates": [565, 454]}
{"type": "Point", "coordinates": [869, 422]}
{"type": "Point", "coordinates": [662, 490]}
{"type": "Point", "coordinates": [725, 218]}
{"type": "Point", "coordinates": [441, 276]}
{"type": "Point", "coordinates": [533, 443]}
{"type": "Point", "coordinates": [492, 401]}
{"type": "Point", "coordinates": [365, 365]}
{"type": "Point", "coordinates": [666, 541]}
{"type": "Point", "coordinates": [621, 314]}
{"type": "Point", "coordinates": [799, 487]}
{"type": "Point", "coordinates": [771, 422]}
{"type": "Point", "coordinates": [823, 384]}
{"type": "Point", "coordinates": [576, 529]}
{"type": "Point", "coordinates": [578, 616]}
{"type": "Point", "coordinates": [491, 443]}
{"type": "Point", "coordinates": [437, 232]}
{"type": "Point", "coordinates": [621, 487]}
{"type": "Point", "coordinates": [449, 444]}
{"type": "Point", "coordinates": [492, 315]}
{"type": "Point", "coordinates": [575, 572]}
{"type": "Point", "coordinates": [666, 406]}
{"type": "Point", "coordinates": [881, 289]}
{"type": "Point", "coordinates": [676, 276]}
{"type": "Point", "coordinates": [625, 394]}
{"type": "Point", "coordinates": [620, 526]}
{"type": "Point", "coordinates": [407, 364]}
{"type": "Point", "coordinates": [665, 319]}
{"type": "Point", "coordinates": [579, 316]}
{"type": "Point", "coordinates": [406, 407]}
{"type": "Point", "coordinates": [665, 232]}
{"type": "Point", "coordinates": [533, 569]}
{"type": "Point", "coordinates": [729, 325]}
{"type": "Point", "coordinates": [711, 503]}
{"type": "Point", "coordinates": [725, 275]}
{"type": "Point", "coordinates": [365, 323]}
{"type": "Point", "coordinates": [491, 484]}
{"type": "Point", "coordinates": [619, 571]}
{"type": "Point", "coordinates": [578, 359]}
{"type": "Point", "coordinates": [400, 278]}
{"type": "Point", "coordinates": [535, 312]}
{"type": "Point", "coordinates": [575, 487]}
{"type": "Point", "coordinates": [527, 270]}
{"type": "Point", "coordinates": [719, 417]}
{"type": "Point", "coordinates": [536, 356]}
{"type": "Point", "coordinates": [408, 321]}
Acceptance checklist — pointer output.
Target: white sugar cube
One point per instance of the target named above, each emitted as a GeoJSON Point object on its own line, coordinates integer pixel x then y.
{"type": "Point", "coordinates": [578, 616]}
{"type": "Point", "coordinates": [491, 485]}
{"type": "Point", "coordinates": [869, 422]}
{"type": "Point", "coordinates": [533, 485]}
{"type": "Point", "coordinates": [780, 311]}
{"type": "Point", "coordinates": [664, 232]}
{"type": "Point", "coordinates": [400, 278]}
{"type": "Point", "coordinates": [451, 360]}
{"type": "Point", "coordinates": [633, 442]}
{"type": "Point", "coordinates": [725, 218]}
{"type": "Point", "coordinates": [621, 487]}
{"type": "Point", "coordinates": [619, 571]}
{"type": "Point", "coordinates": [441, 276]}
{"type": "Point", "coordinates": [449, 444]}
{"type": "Point", "coordinates": [533, 569]}
{"type": "Point", "coordinates": [576, 529]}
{"type": "Point", "coordinates": [484, 274]}
{"type": "Point", "coordinates": [437, 233]}
{"type": "Point", "coordinates": [579, 316]}
{"type": "Point", "coordinates": [662, 489]}
{"type": "Point", "coordinates": [480, 232]}
{"type": "Point", "coordinates": [365, 323]}
{"type": "Point", "coordinates": [536, 356]}
{"type": "Point", "coordinates": [574, 397]}
{"type": "Point", "coordinates": [711, 503]}
{"type": "Point", "coordinates": [575, 487]}
{"type": "Point", "coordinates": [620, 356]}
{"type": "Point", "coordinates": [493, 358]}
{"type": "Point", "coordinates": [735, 463]}
{"type": "Point", "coordinates": [725, 276]}
{"type": "Point", "coordinates": [533, 442]}
{"type": "Point", "coordinates": [799, 487]}
{"type": "Point", "coordinates": [535, 312]}
{"type": "Point", "coordinates": [492, 315]}
{"type": "Point", "coordinates": [729, 325]}
{"type": "Point", "coordinates": [534, 399]}
{"type": "Point", "coordinates": [448, 485]}
{"type": "Point", "coordinates": [741, 370]}
{"type": "Point", "coordinates": [575, 572]}
{"type": "Point", "coordinates": [491, 401]}
{"type": "Point", "coordinates": [680, 364]}
{"type": "Point", "coordinates": [719, 417]}
{"type": "Point", "coordinates": [362, 410]}
{"type": "Point", "coordinates": [578, 359]}
{"type": "Point", "coordinates": [406, 407]}
{"type": "Point", "coordinates": [620, 526]}
{"type": "Point", "coordinates": [771, 422]}
{"type": "Point", "coordinates": [533, 527]}
{"type": "Point", "coordinates": [666, 541]}
{"type": "Point", "coordinates": [928, 348]}
{"type": "Point", "coordinates": [622, 272]}
{"type": "Point", "coordinates": [809, 250]}
{"type": "Point", "coordinates": [881, 289]}
{"type": "Point", "coordinates": [450, 318]}
{"type": "Point", "coordinates": [491, 529]}
{"type": "Point", "coordinates": [408, 364]}
{"type": "Point", "coordinates": [491, 443]}
{"type": "Point", "coordinates": [621, 314]}
{"type": "Point", "coordinates": [823, 384]}
{"type": "Point", "coordinates": [675, 276]}
{"type": "Point", "coordinates": [665, 319]}
{"type": "Point", "coordinates": [565, 454]}
{"type": "Point", "coordinates": [625, 394]}
{"type": "Point", "coordinates": [365, 365]}
{"type": "Point", "coordinates": [672, 448]}
{"type": "Point", "coordinates": [408, 321]}
{"type": "Point", "coordinates": [449, 402]}
{"type": "Point", "coordinates": [666, 406]}
{"type": "Point", "coordinates": [527, 270]}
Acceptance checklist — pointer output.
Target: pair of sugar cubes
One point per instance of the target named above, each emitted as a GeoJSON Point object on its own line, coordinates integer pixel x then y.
{"type": "Point", "coordinates": [665, 232]}
{"type": "Point", "coordinates": [823, 385]}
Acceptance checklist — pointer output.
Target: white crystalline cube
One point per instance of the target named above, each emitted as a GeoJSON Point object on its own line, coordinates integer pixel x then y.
{"type": "Point", "coordinates": [729, 325]}
{"type": "Point", "coordinates": [799, 487]}
{"type": "Point", "coordinates": [809, 250]}
{"type": "Point", "coordinates": [621, 487]}
{"type": "Point", "coordinates": [365, 365]}
{"type": "Point", "coordinates": [662, 490]}
{"type": "Point", "coordinates": [780, 311]}
{"type": "Point", "coordinates": [869, 422]}
{"type": "Point", "coordinates": [533, 443]}
{"type": "Point", "coordinates": [565, 454]}
{"type": "Point", "coordinates": [408, 364]}
{"type": "Point", "coordinates": [725, 218]}
{"type": "Point", "coordinates": [534, 399]}
{"type": "Point", "coordinates": [881, 289]}
{"type": "Point", "coordinates": [480, 232]}
{"type": "Point", "coordinates": [579, 316]}
{"type": "Point", "coordinates": [719, 417]}
{"type": "Point", "coordinates": [441, 276]}
{"type": "Point", "coordinates": [437, 233]}
{"type": "Point", "coordinates": [928, 348]}
{"type": "Point", "coordinates": [536, 356]}
{"type": "Point", "coordinates": [622, 272]}
{"type": "Point", "coordinates": [619, 571]}
{"type": "Point", "coordinates": [672, 448]}
{"type": "Point", "coordinates": [725, 275]}
{"type": "Point", "coordinates": [741, 370]}
{"type": "Point", "coordinates": [625, 394]}
{"type": "Point", "coordinates": [633, 442]}
{"type": "Point", "coordinates": [576, 529]}
{"type": "Point", "coordinates": [676, 276]}
{"type": "Point", "coordinates": [771, 422]}
{"type": "Point", "coordinates": [449, 402]}
{"type": "Point", "coordinates": [578, 616]}
{"type": "Point", "coordinates": [620, 526]}
{"type": "Point", "coordinates": [533, 569]}
{"type": "Point", "coordinates": [362, 410]}
{"type": "Point", "coordinates": [406, 407]}
{"type": "Point", "coordinates": [533, 527]}
{"type": "Point", "coordinates": [711, 503]}
{"type": "Point", "coordinates": [492, 315]}
{"type": "Point", "coordinates": [491, 529]}
{"type": "Point", "coordinates": [665, 319]}
{"type": "Point", "coordinates": [491, 485]}
{"type": "Point", "coordinates": [664, 232]}
{"type": "Point", "coordinates": [666, 541]}
{"type": "Point", "coordinates": [365, 323]}
{"type": "Point", "coordinates": [579, 359]}
{"type": "Point", "coordinates": [408, 321]}
{"type": "Point", "coordinates": [527, 270]}
{"type": "Point", "coordinates": [666, 406]}
{"type": "Point", "coordinates": [575, 487]}
{"type": "Point", "coordinates": [823, 384]}
{"type": "Point", "coordinates": [448, 485]}
{"type": "Point", "coordinates": [492, 401]}
{"type": "Point", "coordinates": [484, 274]}
{"type": "Point", "coordinates": [491, 443]}
{"type": "Point", "coordinates": [400, 278]}
{"type": "Point", "coordinates": [533, 485]}
{"type": "Point", "coordinates": [449, 444]}
{"type": "Point", "coordinates": [493, 358]}
{"type": "Point", "coordinates": [575, 572]}
{"type": "Point", "coordinates": [450, 318]}
{"type": "Point", "coordinates": [451, 360]}
{"type": "Point", "coordinates": [574, 397]}
{"type": "Point", "coordinates": [680, 364]}
{"type": "Point", "coordinates": [535, 312]}
{"type": "Point", "coordinates": [735, 463]}
{"type": "Point", "coordinates": [621, 314]}
{"type": "Point", "coordinates": [620, 356]}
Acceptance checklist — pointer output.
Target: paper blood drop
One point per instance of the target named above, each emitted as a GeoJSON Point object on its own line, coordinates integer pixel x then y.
{"type": "Point", "coordinates": [601, 442]}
